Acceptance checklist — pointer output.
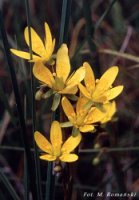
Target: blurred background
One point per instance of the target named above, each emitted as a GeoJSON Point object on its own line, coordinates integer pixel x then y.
{"type": "Point", "coordinates": [104, 33]}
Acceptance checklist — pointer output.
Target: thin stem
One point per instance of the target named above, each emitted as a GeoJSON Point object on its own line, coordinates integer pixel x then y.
{"type": "Point", "coordinates": [90, 29]}
{"type": "Point", "coordinates": [63, 21]}
{"type": "Point", "coordinates": [50, 183]}
{"type": "Point", "coordinates": [81, 151]}
{"type": "Point", "coordinates": [116, 149]}
{"type": "Point", "coordinates": [37, 163]}
{"type": "Point", "coordinates": [26, 180]}
{"type": "Point", "coordinates": [65, 17]}
{"type": "Point", "coordinates": [89, 25]}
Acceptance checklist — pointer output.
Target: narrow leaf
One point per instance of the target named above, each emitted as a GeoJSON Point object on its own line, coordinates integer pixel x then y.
{"type": "Point", "coordinates": [8, 186]}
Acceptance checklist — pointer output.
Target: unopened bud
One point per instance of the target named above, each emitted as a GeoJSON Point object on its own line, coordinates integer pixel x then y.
{"type": "Point", "coordinates": [38, 95]}
{"type": "Point", "coordinates": [57, 169]}
{"type": "Point", "coordinates": [97, 146]}
{"type": "Point", "coordinates": [96, 161]}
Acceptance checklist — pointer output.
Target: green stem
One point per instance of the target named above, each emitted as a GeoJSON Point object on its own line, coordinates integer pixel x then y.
{"type": "Point", "coordinates": [37, 162]}
{"type": "Point", "coordinates": [63, 21]}
{"type": "Point", "coordinates": [65, 17]}
{"type": "Point", "coordinates": [26, 180]}
{"type": "Point", "coordinates": [50, 183]}
{"type": "Point", "coordinates": [89, 25]}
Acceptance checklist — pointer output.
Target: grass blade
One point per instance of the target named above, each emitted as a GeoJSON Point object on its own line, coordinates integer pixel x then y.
{"type": "Point", "coordinates": [105, 14]}
{"type": "Point", "coordinates": [37, 162]}
{"type": "Point", "coordinates": [26, 175]}
{"type": "Point", "coordinates": [89, 26]}
{"type": "Point", "coordinates": [19, 107]}
{"type": "Point", "coordinates": [65, 18]}
{"type": "Point", "coordinates": [90, 29]}
{"type": "Point", "coordinates": [26, 180]}
{"type": "Point", "coordinates": [63, 21]}
{"type": "Point", "coordinates": [50, 184]}
{"type": "Point", "coordinates": [119, 54]}
{"type": "Point", "coordinates": [8, 186]}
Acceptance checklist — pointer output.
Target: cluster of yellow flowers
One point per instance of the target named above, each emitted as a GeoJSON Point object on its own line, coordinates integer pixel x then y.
{"type": "Point", "coordinates": [94, 104]}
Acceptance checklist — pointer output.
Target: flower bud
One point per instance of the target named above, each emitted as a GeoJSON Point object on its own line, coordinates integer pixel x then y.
{"type": "Point", "coordinates": [38, 95]}
{"type": "Point", "coordinates": [57, 169]}
{"type": "Point", "coordinates": [96, 161]}
{"type": "Point", "coordinates": [97, 146]}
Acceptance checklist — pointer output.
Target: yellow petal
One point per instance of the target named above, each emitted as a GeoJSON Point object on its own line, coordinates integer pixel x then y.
{"type": "Point", "coordinates": [48, 157]}
{"type": "Point", "coordinates": [48, 37]}
{"type": "Point", "coordinates": [71, 143]}
{"type": "Point", "coordinates": [62, 62]}
{"type": "Point", "coordinates": [80, 105]}
{"type": "Point", "coordinates": [112, 108]}
{"type": "Point", "coordinates": [87, 128]}
{"type": "Point", "coordinates": [94, 115]}
{"type": "Point", "coordinates": [56, 137]}
{"type": "Point", "coordinates": [49, 44]}
{"type": "Point", "coordinates": [37, 44]}
{"type": "Point", "coordinates": [89, 78]}
{"type": "Point", "coordinates": [23, 54]}
{"type": "Point", "coordinates": [77, 77]}
{"type": "Point", "coordinates": [106, 80]}
{"type": "Point", "coordinates": [53, 45]}
{"type": "Point", "coordinates": [114, 92]}
{"type": "Point", "coordinates": [110, 75]}
{"type": "Point", "coordinates": [43, 74]}
{"type": "Point", "coordinates": [68, 109]}
{"type": "Point", "coordinates": [100, 98]}
{"type": "Point", "coordinates": [42, 142]}
{"type": "Point", "coordinates": [84, 91]}
{"type": "Point", "coordinates": [68, 157]}
{"type": "Point", "coordinates": [69, 90]}
{"type": "Point", "coordinates": [110, 111]}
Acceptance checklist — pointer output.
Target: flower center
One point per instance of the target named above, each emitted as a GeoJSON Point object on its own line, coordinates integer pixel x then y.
{"type": "Point", "coordinates": [58, 84]}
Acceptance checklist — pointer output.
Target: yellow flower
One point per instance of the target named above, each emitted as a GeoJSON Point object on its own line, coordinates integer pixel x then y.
{"type": "Point", "coordinates": [56, 150]}
{"type": "Point", "coordinates": [109, 111]}
{"type": "Point", "coordinates": [100, 91]}
{"type": "Point", "coordinates": [59, 81]}
{"type": "Point", "coordinates": [83, 118]}
{"type": "Point", "coordinates": [43, 51]}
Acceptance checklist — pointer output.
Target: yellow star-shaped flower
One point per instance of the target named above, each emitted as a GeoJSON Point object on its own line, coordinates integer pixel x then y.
{"type": "Point", "coordinates": [43, 51]}
{"type": "Point", "coordinates": [100, 91]}
{"type": "Point", "coordinates": [57, 150]}
{"type": "Point", "coordinates": [60, 80]}
{"type": "Point", "coordinates": [83, 118]}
